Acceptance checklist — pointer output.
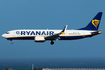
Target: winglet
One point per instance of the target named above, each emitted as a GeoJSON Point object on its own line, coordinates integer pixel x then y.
{"type": "Point", "coordinates": [63, 31]}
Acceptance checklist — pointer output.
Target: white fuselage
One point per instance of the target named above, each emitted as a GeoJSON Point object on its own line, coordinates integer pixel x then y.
{"type": "Point", "coordinates": [26, 34]}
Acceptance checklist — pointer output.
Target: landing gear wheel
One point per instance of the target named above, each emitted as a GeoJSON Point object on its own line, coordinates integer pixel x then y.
{"type": "Point", "coordinates": [11, 42]}
{"type": "Point", "coordinates": [52, 43]}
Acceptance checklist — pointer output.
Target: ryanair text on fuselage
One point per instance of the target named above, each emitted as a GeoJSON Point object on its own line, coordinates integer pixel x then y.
{"type": "Point", "coordinates": [35, 32]}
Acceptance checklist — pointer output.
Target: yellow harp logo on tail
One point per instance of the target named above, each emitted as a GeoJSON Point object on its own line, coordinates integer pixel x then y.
{"type": "Point", "coordinates": [95, 22]}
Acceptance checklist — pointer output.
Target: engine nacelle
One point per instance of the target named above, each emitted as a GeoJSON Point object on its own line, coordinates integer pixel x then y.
{"type": "Point", "coordinates": [39, 39]}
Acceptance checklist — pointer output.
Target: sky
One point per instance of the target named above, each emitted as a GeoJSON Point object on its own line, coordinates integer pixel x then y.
{"type": "Point", "coordinates": [50, 14]}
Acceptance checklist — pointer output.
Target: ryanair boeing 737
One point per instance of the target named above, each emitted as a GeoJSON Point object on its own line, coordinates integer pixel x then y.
{"type": "Point", "coordinates": [43, 35]}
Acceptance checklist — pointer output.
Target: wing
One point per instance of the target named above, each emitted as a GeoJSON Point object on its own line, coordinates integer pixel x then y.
{"type": "Point", "coordinates": [55, 36]}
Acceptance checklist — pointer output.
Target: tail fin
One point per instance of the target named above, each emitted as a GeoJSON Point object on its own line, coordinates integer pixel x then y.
{"type": "Point", "coordinates": [94, 24]}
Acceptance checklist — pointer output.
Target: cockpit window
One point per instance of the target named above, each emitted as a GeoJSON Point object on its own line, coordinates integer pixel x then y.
{"type": "Point", "coordinates": [7, 32]}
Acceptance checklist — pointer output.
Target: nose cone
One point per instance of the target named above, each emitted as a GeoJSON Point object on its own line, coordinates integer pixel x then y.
{"type": "Point", "coordinates": [3, 36]}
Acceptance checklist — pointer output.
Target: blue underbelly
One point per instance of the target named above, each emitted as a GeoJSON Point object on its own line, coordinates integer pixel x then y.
{"type": "Point", "coordinates": [60, 38]}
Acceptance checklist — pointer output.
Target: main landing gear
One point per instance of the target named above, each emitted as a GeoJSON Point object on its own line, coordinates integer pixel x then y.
{"type": "Point", "coordinates": [52, 42]}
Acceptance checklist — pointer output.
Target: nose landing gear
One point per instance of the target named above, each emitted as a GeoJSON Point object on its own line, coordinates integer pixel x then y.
{"type": "Point", "coordinates": [52, 42]}
{"type": "Point", "coordinates": [11, 42]}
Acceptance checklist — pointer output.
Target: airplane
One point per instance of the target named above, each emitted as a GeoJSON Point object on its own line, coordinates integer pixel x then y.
{"type": "Point", "coordinates": [43, 35]}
